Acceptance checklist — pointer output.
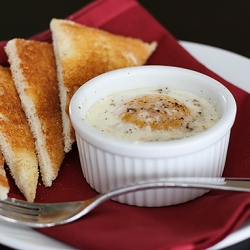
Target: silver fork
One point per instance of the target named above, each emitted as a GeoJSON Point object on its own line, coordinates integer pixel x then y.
{"type": "Point", "coordinates": [39, 215]}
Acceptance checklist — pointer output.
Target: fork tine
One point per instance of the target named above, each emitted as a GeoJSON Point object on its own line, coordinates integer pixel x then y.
{"type": "Point", "coordinates": [15, 209]}
{"type": "Point", "coordinates": [13, 215]}
{"type": "Point", "coordinates": [21, 203]}
{"type": "Point", "coordinates": [11, 202]}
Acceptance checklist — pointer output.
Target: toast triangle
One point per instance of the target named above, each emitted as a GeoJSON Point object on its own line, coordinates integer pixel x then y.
{"type": "Point", "coordinates": [33, 69]}
{"type": "Point", "coordinates": [4, 184]}
{"type": "Point", "coordinates": [16, 139]}
{"type": "Point", "coordinates": [82, 53]}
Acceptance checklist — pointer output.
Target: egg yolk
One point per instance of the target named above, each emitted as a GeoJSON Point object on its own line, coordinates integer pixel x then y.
{"type": "Point", "coordinates": [159, 112]}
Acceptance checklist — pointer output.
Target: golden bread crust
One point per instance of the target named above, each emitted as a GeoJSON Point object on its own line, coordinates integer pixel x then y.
{"type": "Point", "coordinates": [13, 122]}
{"type": "Point", "coordinates": [16, 140]}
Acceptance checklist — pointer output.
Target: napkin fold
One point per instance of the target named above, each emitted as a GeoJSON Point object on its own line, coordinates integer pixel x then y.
{"type": "Point", "coordinates": [198, 224]}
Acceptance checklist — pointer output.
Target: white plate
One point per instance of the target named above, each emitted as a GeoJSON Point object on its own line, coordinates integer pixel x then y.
{"type": "Point", "coordinates": [230, 66]}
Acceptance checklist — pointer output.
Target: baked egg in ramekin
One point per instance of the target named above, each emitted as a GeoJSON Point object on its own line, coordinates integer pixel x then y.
{"type": "Point", "coordinates": [147, 103]}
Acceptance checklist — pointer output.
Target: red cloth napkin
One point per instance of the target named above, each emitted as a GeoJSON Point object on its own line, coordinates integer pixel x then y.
{"type": "Point", "coordinates": [194, 225]}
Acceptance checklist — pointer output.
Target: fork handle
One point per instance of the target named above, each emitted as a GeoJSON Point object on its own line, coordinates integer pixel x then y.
{"type": "Point", "coordinates": [218, 183]}
{"type": "Point", "coordinates": [229, 184]}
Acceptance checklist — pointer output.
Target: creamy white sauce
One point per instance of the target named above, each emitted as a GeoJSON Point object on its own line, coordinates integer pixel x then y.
{"type": "Point", "coordinates": [152, 114]}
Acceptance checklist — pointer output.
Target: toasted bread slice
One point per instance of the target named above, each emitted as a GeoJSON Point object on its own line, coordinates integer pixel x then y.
{"type": "Point", "coordinates": [33, 69]}
{"type": "Point", "coordinates": [4, 184]}
{"type": "Point", "coordinates": [16, 139]}
{"type": "Point", "coordinates": [82, 53]}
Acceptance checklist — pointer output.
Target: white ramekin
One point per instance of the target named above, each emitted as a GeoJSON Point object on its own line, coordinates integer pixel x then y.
{"type": "Point", "coordinates": [108, 162]}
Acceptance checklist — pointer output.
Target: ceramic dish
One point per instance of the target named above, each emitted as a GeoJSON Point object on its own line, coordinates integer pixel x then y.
{"type": "Point", "coordinates": [109, 162]}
